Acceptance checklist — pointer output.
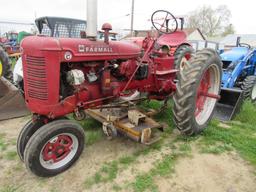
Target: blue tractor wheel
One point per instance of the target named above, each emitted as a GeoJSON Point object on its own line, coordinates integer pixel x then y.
{"type": "Point", "coordinates": [249, 88]}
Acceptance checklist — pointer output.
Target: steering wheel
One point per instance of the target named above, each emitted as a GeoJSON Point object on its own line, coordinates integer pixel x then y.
{"type": "Point", "coordinates": [245, 45]}
{"type": "Point", "coordinates": [169, 24]}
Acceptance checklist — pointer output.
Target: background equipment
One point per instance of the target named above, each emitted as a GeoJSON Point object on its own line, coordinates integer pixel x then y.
{"type": "Point", "coordinates": [238, 80]}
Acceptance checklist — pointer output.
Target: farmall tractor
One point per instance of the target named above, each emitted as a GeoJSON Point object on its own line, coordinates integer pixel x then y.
{"type": "Point", "coordinates": [63, 76]}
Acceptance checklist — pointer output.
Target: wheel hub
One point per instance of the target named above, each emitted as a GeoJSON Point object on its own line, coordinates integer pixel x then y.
{"type": "Point", "coordinates": [207, 94]}
{"type": "Point", "coordinates": [202, 92]}
{"type": "Point", "coordinates": [59, 151]}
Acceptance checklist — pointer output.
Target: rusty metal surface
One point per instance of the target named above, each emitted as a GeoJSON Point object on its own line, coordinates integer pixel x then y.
{"type": "Point", "coordinates": [12, 103]}
{"type": "Point", "coordinates": [136, 117]}
{"type": "Point", "coordinates": [140, 132]}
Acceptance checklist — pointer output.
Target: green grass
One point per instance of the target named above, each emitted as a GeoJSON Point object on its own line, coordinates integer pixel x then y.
{"type": "Point", "coordinates": [107, 173]}
{"type": "Point", "coordinates": [163, 116]}
{"type": "Point", "coordinates": [164, 167]}
{"type": "Point", "coordinates": [247, 114]}
{"type": "Point", "coordinates": [127, 160]}
{"type": "Point", "coordinates": [11, 155]}
{"type": "Point", "coordinates": [93, 136]}
{"type": "Point", "coordinates": [3, 145]}
{"type": "Point", "coordinates": [92, 128]}
{"type": "Point", "coordinates": [93, 131]}
{"type": "Point", "coordinates": [216, 149]}
{"type": "Point", "coordinates": [9, 188]}
{"type": "Point", "coordinates": [240, 136]}
{"type": "Point", "coordinates": [116, 187]}
{"type": "Point", "coordinates": [144, 182]}
{"type": "Point", "coordinates": [215, 139]}
{"type": "Point", "coordinates": [185, 147]}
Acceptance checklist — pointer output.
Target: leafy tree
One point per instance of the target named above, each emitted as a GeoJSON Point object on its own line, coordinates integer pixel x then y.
{"type": "Point", "coordinates": [211, 22]}
{"type": "Point", "coordinates": [228, 30]}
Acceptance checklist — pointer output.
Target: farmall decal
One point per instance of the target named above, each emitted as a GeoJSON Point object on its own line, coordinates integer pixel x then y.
{"type": "Point", "coordinates": [94, 49]}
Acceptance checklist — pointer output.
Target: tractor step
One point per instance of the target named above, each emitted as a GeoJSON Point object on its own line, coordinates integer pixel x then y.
{"type": "Point", "coordinates": [132, 123]}
{"type": "Point", "coordinates": [229, 104]}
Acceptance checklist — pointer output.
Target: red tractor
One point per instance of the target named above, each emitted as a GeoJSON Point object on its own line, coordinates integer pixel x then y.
{"type": "Point", "coordinates": [68, 75]}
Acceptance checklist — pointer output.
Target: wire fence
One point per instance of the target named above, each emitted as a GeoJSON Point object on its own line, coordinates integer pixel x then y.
{"type": "Point", "coordinates": [6, 26]}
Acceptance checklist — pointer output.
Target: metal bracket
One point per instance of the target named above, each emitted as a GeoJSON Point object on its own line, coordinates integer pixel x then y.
{"type": "Point", "coordinates": [136, 117]}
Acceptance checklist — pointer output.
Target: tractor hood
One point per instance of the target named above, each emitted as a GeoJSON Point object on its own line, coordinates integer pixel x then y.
{"type": "Point", "coordinates": [237, 53]}
{"type": "Point", "coordinates": [87, 49]}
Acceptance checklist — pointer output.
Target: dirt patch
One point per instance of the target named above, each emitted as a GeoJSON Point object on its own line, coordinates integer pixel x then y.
{"type": "Point", "coordinates": [201, 172]}
{"type": "Point", "coordinates": [208, 172]}
{"type": "Point", "coordinates": [14, 173]}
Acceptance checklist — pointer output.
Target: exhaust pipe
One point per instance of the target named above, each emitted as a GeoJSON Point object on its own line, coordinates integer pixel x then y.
{"type": "Point", "coordinates": [91, 29]}
{"type": "Point", "coordinates": [238, 41]}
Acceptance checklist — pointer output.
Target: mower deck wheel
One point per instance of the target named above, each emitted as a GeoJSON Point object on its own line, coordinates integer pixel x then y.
{"type": "Point", "coordinates": [54, 147]}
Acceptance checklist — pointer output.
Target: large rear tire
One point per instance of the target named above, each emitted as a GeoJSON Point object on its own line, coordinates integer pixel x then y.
{"type": "Point", "coordinates": [249, 88]}
{"type": "Point", "coordinates": [5, 67]}
{"type": "Point", "coordinates": [54, 147]}
{"type": "Point", "coordinates": [197, 92]}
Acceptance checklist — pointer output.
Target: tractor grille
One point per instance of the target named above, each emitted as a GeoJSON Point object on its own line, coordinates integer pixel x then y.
{"type": "Point", "coordinates": [36, 78]}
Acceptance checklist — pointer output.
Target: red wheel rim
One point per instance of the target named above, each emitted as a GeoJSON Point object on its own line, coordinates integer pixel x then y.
{"type": "Point", "coordinates": [202, 92]}
{"type": "Point", "coordinates": [57, 149]}
{"type": "Point", "coordinates": [207, 94]}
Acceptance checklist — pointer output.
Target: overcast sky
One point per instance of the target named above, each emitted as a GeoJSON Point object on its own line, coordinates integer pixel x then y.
{"type": "Point", "coordinates": [115, 11]}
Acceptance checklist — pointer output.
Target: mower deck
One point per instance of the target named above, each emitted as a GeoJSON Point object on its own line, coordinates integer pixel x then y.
{"type": "Point", "coordinates": [128, 122]}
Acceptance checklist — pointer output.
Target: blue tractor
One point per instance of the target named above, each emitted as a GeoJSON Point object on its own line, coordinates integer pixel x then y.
{"type": "Point", "coordinates": [238, 80]}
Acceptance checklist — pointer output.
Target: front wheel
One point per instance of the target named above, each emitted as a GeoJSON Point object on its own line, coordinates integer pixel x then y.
{"type": "Point", "coordinates": [54, 147]}
{"type": "Point", "coordinates": [249, 88]}
{"type": "Point", "coordinates": [27, 131]}
{"type": "Point", "coordinates": [197, 92]}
